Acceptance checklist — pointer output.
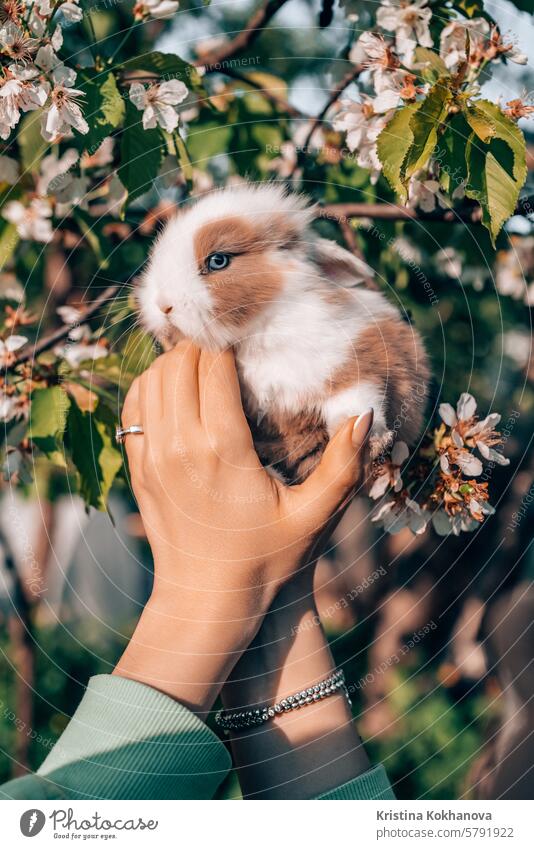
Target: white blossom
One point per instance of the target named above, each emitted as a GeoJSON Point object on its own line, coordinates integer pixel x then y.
{"type": "Point", "coordinates": [79, 353]}
{"type": "Point", "coordinates": [397, 515]}
{"type": "Point", "coordinates": [64, 113]}
{"type": "Point", "coordinates": [53, 169]}
{"type": "Point", "coordinates": [482, 433]}
{"type": "Point", "coordinates": [160, 9]}
{"type": "Point", "coordinates": [71, 11]}
{"type": "Point", "coordinates": [410, 23]}
{"type": "Point", "coordinates": [465, 409]}
{"type": "Point", "coordinates": [444, 524]}
{"type": "Point", "coordinates": [391, 476]}
{"type": "Point", "coordinates": [454, 36]}
{"type": "Point", "coordinates": [9, 346]}
{"type": "Point", "coordinates": [158, 102]}
{"type": "Point", "coordinates": [425, 195]}
{"type": "Point", "coordinates": [362, 126]}
{"type": "Point", "coordinates": [18, 93]}
{"type": "Point", "coordinates": [8, 407]}
{"type": "Point", "coordinates": [33, 221]}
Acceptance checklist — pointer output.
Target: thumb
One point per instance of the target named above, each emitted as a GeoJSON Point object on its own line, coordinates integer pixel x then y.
{"type": "Point", "coordinates": [338, 474]}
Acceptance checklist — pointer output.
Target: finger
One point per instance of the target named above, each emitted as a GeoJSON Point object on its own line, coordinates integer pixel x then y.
{"type": "Point", "coordinates": [131, 415]}
{"type": "Point", "coordinates": [179, 373]}
{"type": "Point", "coordinates": [151, 402]}
{"type": "Point", "coordinates": [221, 407]}
{"type": "Point", "coordinates": [338, 474]}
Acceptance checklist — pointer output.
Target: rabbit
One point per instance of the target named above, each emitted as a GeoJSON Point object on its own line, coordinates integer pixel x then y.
{"type": "Point", "coordinates": [313, 347]}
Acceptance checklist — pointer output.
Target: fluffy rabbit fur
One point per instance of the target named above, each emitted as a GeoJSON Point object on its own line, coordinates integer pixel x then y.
{"type": "Point", "coordinates": [310, 351]}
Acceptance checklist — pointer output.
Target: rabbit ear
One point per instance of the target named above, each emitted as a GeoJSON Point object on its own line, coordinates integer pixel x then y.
{"type": "Point", "coordinates": [339, 265]}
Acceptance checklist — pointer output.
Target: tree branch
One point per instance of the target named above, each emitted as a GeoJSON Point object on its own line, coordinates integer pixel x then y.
{"type": "Point", "coordinates": [342, 212]}
{"type": "Point", "coordinates": [29, 352]}
{"type": "Point", "coordinates": [336, 92]}
{"type": "Point", "coordinates": [243, 39]}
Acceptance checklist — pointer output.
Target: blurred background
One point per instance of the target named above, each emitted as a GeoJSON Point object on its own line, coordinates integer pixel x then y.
{"type": "Point", "coordinates": [434, 633]}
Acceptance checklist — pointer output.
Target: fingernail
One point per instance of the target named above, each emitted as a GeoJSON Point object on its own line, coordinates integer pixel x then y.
{"type": "Point", "coordinates": [362, 426]}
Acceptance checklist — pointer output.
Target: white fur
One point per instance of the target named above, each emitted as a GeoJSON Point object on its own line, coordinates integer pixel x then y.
{"type": "Point", "coordinates": [353, 401]}
{"type": "Point", "coordinates": [288, 354]}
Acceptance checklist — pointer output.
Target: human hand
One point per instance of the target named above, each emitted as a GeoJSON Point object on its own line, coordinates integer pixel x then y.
{"type": "Point", "coordinates": [225, 535]}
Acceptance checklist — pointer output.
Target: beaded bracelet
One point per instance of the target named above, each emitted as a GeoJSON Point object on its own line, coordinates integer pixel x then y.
{"type": "Point", "coordinates": [239, 720]}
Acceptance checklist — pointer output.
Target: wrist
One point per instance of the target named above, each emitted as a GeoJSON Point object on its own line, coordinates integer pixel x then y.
{"type": "Point", "coordinates": [187, 654]}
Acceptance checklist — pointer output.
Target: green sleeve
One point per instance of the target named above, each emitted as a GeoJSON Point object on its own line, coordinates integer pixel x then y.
{"type": "Point", "coordinates": [373, 784]}
{"type": "Point", "coordinates": [128, 741]}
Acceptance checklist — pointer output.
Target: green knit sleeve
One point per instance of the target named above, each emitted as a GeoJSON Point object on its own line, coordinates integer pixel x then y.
{"type": "Point", "coordinates": [373, 784]}
{"type": "Point", "coordinates": [128, 741]}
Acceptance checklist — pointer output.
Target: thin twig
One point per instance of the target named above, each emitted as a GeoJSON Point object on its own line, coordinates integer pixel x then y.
{"type": "Point", "coordinates": [243, 39]}
{"type": "Point", "coordinates": [336, 92]}
{"type": "Point", "coordinates": [30, 352]}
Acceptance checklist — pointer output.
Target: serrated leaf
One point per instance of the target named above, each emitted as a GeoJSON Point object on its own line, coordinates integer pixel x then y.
{"type": "Point", "coordinates": [508, 131]}
{"type": "Point", "coordinates": [393, 144]}
{"type": "Point", "coordinates": [491, 186]}
{"type": "Point", "coordinates": [479, 123]}
{"type": "Point", "coordinates": [48, 417]}
{"type": "Point", "coordinates": [497, 168]}
{"type": "Point", "coordinates": [434, 68]}
{"type": "Point", "coordinates": [424, 125]}
{"type": "Point", "coordinates": [103, 108]}
{"type": "Point", "coordinates": [142, 153]}
{"type": "Point", "coordinates": [97, 461]}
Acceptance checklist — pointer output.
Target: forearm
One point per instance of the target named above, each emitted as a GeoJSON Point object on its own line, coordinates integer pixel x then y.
{"type": "Point", "coordinates": [306, 752]}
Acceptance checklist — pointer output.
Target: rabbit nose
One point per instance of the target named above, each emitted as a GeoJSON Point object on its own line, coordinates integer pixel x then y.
{"type": "Point", "coordinates": [165, 309]}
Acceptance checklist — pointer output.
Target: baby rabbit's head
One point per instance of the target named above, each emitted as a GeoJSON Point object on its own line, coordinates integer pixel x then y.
{"type": "Point", "coordinates": [222, 264]}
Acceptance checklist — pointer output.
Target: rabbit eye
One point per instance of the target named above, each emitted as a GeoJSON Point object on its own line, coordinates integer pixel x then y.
{"type": "Point", "coordinates": [217, 261]}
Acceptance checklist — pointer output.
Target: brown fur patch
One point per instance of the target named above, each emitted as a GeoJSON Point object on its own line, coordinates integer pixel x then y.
{"type": "Point", "coordinates": [252, 279]}
{"type": "Point", "coordinates": [389, 354]}
{"type": "Point", "coordinates": [292, 444]}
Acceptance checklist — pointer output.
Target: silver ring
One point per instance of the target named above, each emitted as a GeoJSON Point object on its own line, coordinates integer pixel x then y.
{"type": "Point", "coordinates": [121, 432]}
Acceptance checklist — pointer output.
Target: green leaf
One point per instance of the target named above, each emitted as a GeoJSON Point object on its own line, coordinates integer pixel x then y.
{"type": "Point", "coordinates": [183, 157]}
{"type": "Point", "coordinates": [434, 68]}
{"type": "Point", "coordinates": [142, 153]}
{"type": "Point", "coordinates": [471, 8]}
{"type": "Point", "coordinates": [88, 227]}
{"type": "Point", "coordinates": [424, 125]}
{"type": "Point", "coordinates": [393, 144]}
{"type": "Point", "coordinates": [479, 123]}
{"type": "Point", "coordinates": [167, 66]}
{"type": "Point", "coordinates": [9, 240]}
{"type": "Point", "coordinates": [508, 131]}
{"type": "Point", "coordinates": [48, 418]}
{"type": "Point", "coordinates": [491, 186]}
{"type": "Point", "coordinates": [103, 108]}
{"type": "Point", "coordinates": [496, 168]}
{"type": "Point", "coordinates": [450, 153]}
{"type": "Point", "coordinates": [206, 141]}
{"type": "Point", "coordinates": [31, 143]}
{"type": "Point", "coordinates": [91, 444]}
